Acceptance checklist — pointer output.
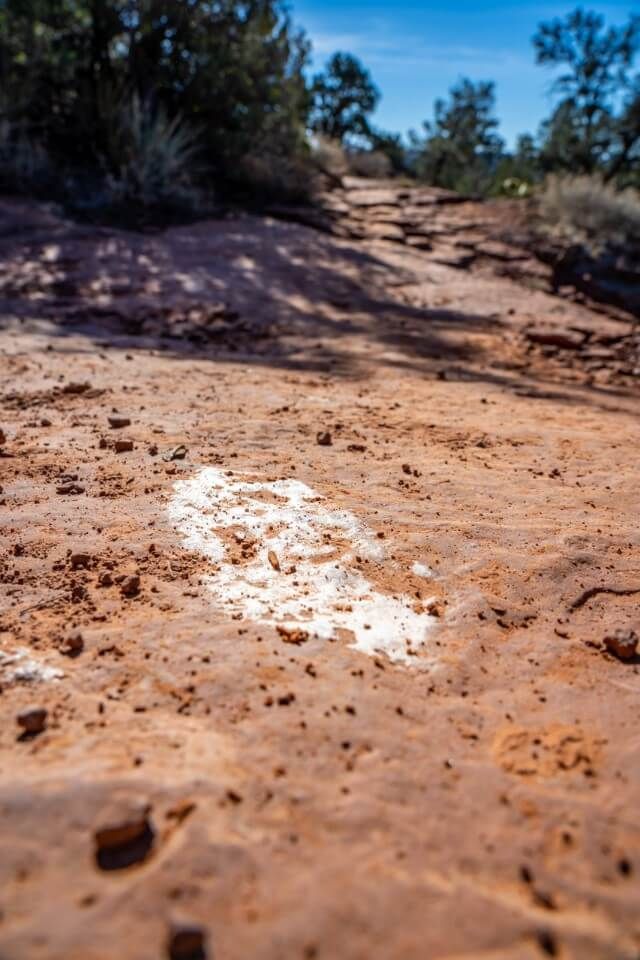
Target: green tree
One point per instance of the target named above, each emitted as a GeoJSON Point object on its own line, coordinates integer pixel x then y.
{"type": "Point", "coordinates": [462, 148]}
{"type": "Point", "coordinates": [520, 168]}
{"type": "Point", "coordinates": [232, 70]}
{"type": "Point", "coordinates": [392, 147]}
{"type": "Point", "coordinates": [595, 126]}
{"type": "Point", "coordinates": [344, 97]}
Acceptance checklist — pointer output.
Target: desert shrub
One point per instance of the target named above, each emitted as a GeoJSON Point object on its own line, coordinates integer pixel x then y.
{"type": "Point", "coordinates": [329, 156]}
{"type": "Point", "coordinates": [394, 148]}
{"type": "Point", "coordinates": [24, 163]}
{"type": "Point", "coordinates": [266, 176]}
{"type": "Point", "coordinates": [152, 155]}
{"type": "Point", "coordinates": [369, 163]}
{"type": "Point", "coordinates": [337, 161]}
{"type": "Point", "coordinates": [587, 211]}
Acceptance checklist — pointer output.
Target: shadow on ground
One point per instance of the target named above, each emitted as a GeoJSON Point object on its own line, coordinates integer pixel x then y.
{"type": "Point", "coordinates": [243, 288]}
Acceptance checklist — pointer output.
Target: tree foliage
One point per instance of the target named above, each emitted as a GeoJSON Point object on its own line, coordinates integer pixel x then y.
{"type": "Point", "coordinates": [148, 95]}
{"type": "Point", "coordinates": [344, 97]}
{"type": "Point", "coordinates": [462, 147]}
{"type": "Point", "coordinates": [392, 147]}
{"type": "Point", "coordinates": [518, 169]}
{"type": "Point", "coordinates": [230, 69]}
{"type": "Point", "coordinates": [595, 126]}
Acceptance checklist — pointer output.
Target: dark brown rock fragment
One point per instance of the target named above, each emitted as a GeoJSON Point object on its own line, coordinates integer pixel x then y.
{"type": "Point", "coordinates": [187, 941]}
{"type": "Point", "coordinates": [622, 643]}
{"type": "Point", "coordinates": [124, 843]}
{"type": "Point", "coordinates": [33, 720]}
{"type": "Point", "coordinates": [130, 586]}
{"type": "Point", "coordinates": [123, 446]}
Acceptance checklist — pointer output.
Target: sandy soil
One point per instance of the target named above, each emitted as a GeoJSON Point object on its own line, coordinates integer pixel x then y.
{"type": "Point", "coordinates": [208, 782]}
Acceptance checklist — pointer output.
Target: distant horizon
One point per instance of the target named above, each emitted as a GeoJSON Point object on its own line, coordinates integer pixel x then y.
{"type": "Point", "coordinates": [419, 50]}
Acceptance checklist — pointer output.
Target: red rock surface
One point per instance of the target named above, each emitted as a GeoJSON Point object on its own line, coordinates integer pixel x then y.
{"type": "Point", "coordinates": [208, 784]}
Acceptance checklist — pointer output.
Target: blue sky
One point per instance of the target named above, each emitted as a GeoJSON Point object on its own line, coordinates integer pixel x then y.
{"type": "Point", "coordinates": [416, 50]}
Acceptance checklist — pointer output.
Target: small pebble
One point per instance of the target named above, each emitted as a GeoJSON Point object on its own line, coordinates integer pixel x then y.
{"type": "Point", "coordinates": [178, 453]}
{"type": "Point", "coordinates": [69, 489]}
{"type": "Point", "coordinates": [622, 643]}
{"type": "Point", "coordinates": [79, 560]}
{"type": "Point", "coordinates": [186, 942]}
{"type": "Point", "coordinates": [125, 842]}
{"type": "Point", "coordinates": [130, 586]}
{"type": "Point", "coordinates": [33, 720]}
{"type": "Point", "coordinates": [74, 645]}
{"type": "Point", "coordinates": [123, 446]}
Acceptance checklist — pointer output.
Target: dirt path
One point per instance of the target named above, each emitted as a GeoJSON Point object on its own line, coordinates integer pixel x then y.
{"type": "Point", "coordinates": [311, 418]}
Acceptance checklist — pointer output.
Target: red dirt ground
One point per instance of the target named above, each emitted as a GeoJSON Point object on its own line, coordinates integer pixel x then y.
{"type": "Point", "coordinates": [201, 788]}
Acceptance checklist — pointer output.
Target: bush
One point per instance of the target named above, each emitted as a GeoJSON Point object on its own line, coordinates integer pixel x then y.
{"type": "Point", "coordinates": [587, 211]}
{"type": "Point", "coordinates": [330, 157]}
{"type": "Point", "coordinates": [264, 176]}
{"type": "Point", "coordinates": [369, 163]}
{"type": "Point", "coordinates": [336, 161]}
{"type": "Point", "coordinates": [462, 149]}
{"type": "Point", "coordinates": [24, 164]}
{"type": "Point", "coordinates": [153, 156]}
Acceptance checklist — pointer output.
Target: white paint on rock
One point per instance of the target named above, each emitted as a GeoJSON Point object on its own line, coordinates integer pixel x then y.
{"type": "Point", "coordinates": [20, 667]}
{"type": "Point", "coordinates": [316, 588]}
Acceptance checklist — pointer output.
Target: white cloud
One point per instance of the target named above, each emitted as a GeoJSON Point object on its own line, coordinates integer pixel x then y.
{"type": "Point", "coordinates": [380, 48]}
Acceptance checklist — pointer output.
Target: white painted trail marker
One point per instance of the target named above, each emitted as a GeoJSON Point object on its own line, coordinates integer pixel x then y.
{"type": "Point", "coordinates": [293, 562]}
{"type": "Point", "coordinates": [20, 667]}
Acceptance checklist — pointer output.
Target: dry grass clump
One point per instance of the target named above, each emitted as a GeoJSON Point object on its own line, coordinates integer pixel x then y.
{"type": "Point", "coordinates": [268, 176]}
{"type": "Point", "coordinates": [337, 161]}
{"type": "Point", "coordinates": [153, 155]}
{"type": "Point", "coordinates": [330, 157]}
{"type": "Point", "coordinates": [587, 211]}
{"type": "Point", "coordinates": [369, 163]}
